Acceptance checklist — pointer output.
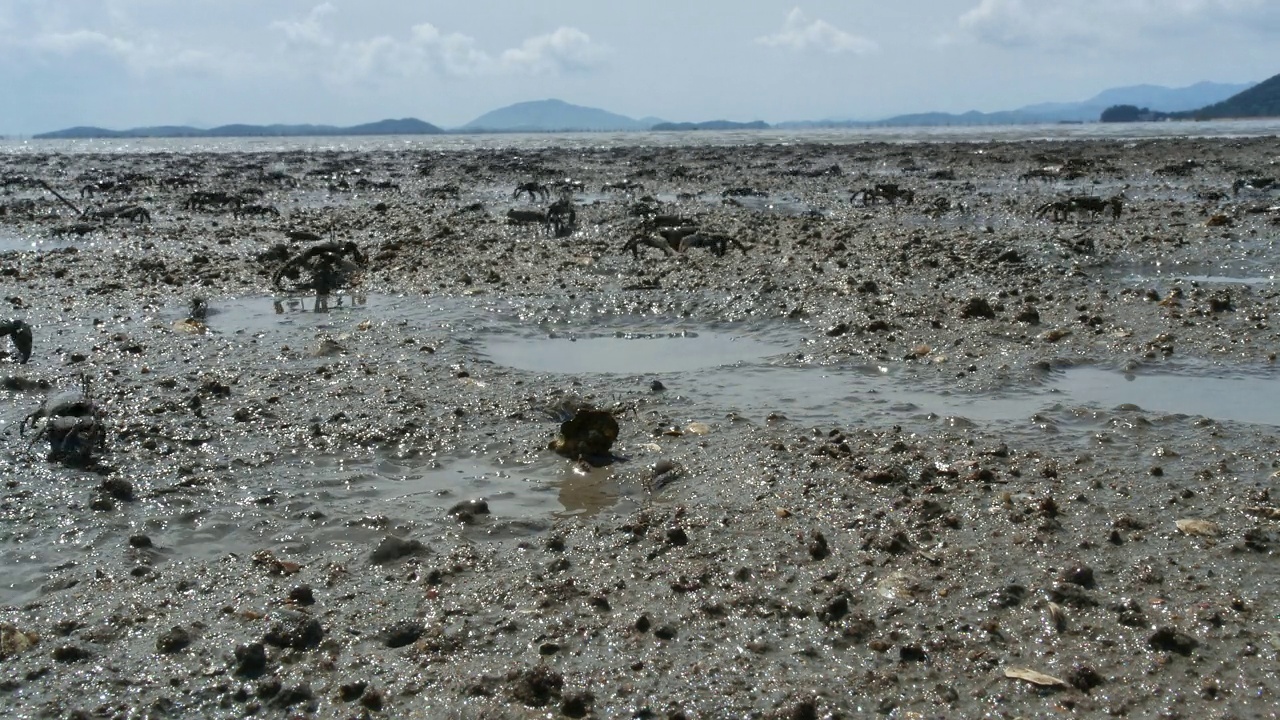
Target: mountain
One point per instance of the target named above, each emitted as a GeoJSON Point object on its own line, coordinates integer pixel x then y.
{"type": "Point", "coordinates": [551, 116]}
{"type": "Point", "coordinates": [1147, 96]}
{"type": "Point", "coordinates": [406, 126]}
{"type": "Point", "coordinates": [1261, 100]}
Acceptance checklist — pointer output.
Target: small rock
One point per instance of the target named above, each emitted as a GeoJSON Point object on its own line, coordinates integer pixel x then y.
{"type": "Point", "coordinates": [818, 548]}
{"type": "Point", "coordinates": [14, 641]}
{"type": "Point", "coordinates": [1008, 596]}
{"type": "Point", "coordinates": [804, 710]}
{"type": "Point", "coordinates": [1169, 640]}
{"type": "Point", "coordinates": [117, 488]}
{"type": "Point", "coordinates": [350, 692]}
{"type": "Point", "coordinates": [251, 659]}
{"type": "Point", "coordinates": [467, 510]}
{"type": "Point", "coordinates": [302, 595]}
{"type": "Point", "coordinates": [836, 609]}
{"type": "Point", "coordinates": [676, 536]}
{"type": "Point", "coordinates": [402, 634]}
{"type": "Point", "coordinates": [394, 548]}
{"type": "Point", "coordinates": [977, 307]}
{"type": "Point", "coordinates": [536, 686]}
{"type": "Point", "coordinates": [577, 704]}
{"type": "Point", "coordinates": [588, 434]}
{"type": "Point", "coordinates": [372, 700]}
{"type": "Point", "coordinates": [70, 653]}
{"type": "Point", "coordinates": [1084, 678]}
{"type": "Point", "coordinates": [912, 653]}
{"type": "Point", "coordinates": [139, 541]}
{"type": "Point", "coordinates": [890, 475]}
{"type": "Point", "coordinates": [174, 640]}
{"type": "Point", "coordinates": [296, 695]}
{"type": "Point", "coordinates": [295, 630]}
{"type": "Point", "coordinates": [1078, 574]}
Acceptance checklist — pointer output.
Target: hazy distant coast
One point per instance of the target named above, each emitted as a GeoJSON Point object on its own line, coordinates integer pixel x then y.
{"type": "Point", "coordinates": [559, 116]}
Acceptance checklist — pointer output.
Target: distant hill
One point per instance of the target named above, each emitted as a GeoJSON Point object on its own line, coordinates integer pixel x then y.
{"type": "Point", "coordinates": [551, 116]}
{"type": "Point", "coordinates": [1261, 100]}
{"type": "Point", "coordinates": [406, 126]}
{"type": "Point", "coordinates": [710, 125]}
{"type": "Point", "coordinates": [1147, 96]}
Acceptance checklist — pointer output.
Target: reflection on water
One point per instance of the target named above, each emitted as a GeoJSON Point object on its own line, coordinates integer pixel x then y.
{"type": "Point", "coordinates": [319, 303]}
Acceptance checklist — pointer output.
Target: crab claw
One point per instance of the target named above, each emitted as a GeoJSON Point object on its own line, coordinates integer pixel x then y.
{"type": "Point", "coordinates": [20, 332]}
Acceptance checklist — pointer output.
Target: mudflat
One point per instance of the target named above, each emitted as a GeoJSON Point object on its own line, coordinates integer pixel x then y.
{"type": "Point", "coordinates": [920, 430]}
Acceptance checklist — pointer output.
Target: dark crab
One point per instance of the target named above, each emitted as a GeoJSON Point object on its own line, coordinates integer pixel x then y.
{"type": "Point", "coordinates": [322, 268]}
{"type": "Point", "coordinates": [73, 424]}
{"type": "Point", "coordinates": [20, 332]}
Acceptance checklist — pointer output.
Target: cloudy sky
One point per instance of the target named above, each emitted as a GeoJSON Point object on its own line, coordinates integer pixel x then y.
{"type": "Point", "coordinates": [125, 63]}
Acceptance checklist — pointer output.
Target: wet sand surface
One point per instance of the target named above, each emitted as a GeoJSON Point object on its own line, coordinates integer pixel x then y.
{"type": "Point", "coordinates": [947, 458]}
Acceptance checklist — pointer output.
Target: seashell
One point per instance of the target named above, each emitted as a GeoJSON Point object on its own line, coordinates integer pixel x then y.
{"type": "Point", "coordinates": [1198, 528]}
{"type": "Point", "coordinates": [1033, 677]}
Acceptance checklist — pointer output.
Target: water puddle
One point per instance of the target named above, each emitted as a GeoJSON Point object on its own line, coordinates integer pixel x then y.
{"type": "Point", "coordinates": [871, 395]}
{"type": "Point", "coordinates": [1234, 397]}
{"type": "Point", "coordinates": [17, 242]}
{"type": "Point", "coordinates": [267, 315]}
{"type": "Point", "coordinates": [1239, 273]}
{"type": "Point", "coordinates": [723, 367]}
{"type": "Point", "coordinates": [627, 352]}
{"type": "Point", "coordinates": [540, 486]}
{"type": "Point", "coordinates": [783, 206]}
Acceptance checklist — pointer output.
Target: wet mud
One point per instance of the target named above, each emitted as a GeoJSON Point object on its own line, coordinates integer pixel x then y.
{"type": "Point", "coordinates": [957, 457]}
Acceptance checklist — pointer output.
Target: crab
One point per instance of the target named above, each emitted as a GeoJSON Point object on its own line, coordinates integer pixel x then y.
{"type": "Point", "coordinates": [207, 199]}
{"type": "Point", "coordinates": [561, 217]}
{"type": "Point", "coordinates": [533, 189]}
{"type": "Point", "coordinates": [331, 266]}
{"type": "Point", "coordinates": [717, 243]}
{"type": "Point", "coordinates": [1062, 209]}
{"type": "Point", "coordinates": [243, 210]}
{"type": "Point", "coordinates": [889, 192]}
{"type": "Point", "coordinates": [73, 424]}
{"type": "Point", "coordinates": [1260, 183]}
{"type": "Point", "coordinates": [625, 186]}
{"type": "Point", "coordinates": [137, 213]}
{"type": "Point", "coordinates": [20, 332]}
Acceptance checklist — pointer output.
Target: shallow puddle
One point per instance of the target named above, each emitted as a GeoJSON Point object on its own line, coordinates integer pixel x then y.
{"type": "Point", "coordinates": [1237, 397]}
{"type": "Point", "coordinates": [1251, 274]}
{"type": "Point", "coordinates": [865, 394]}
{"type": "Point", "coordinates": [627, 353]}
{"type": "Point", "coordinates": [721, 367]}
{"type": "Point", "coordinates": [780, 205]}
{"type": "Point", "coordinates": [17, 242]}
{"type": "Point", "coordinates": [541, 486]}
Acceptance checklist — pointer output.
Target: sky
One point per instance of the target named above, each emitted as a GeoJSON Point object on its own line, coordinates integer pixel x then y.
{"type": "Point", "coordinates": [129, 63]}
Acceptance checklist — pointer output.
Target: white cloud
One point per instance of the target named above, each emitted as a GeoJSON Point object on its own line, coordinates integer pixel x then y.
{"type": "Point", "coordinates": [799, 33]}
{"type": "Point", "coordinates": [565, 50]}
{"type": "Point", "coordinates": [1115, 23]}
{"type": "Point", "coordinates": [140, 56]}
{"type": "Point", "coordinates": [427, 50]}
{"type": "Point", "coordinates": [309, 30]}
